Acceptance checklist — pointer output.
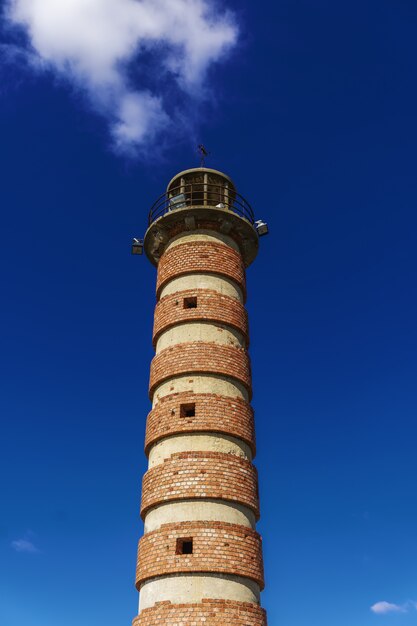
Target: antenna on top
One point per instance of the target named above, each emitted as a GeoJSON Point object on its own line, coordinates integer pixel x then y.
{"type": "Point", "coordinates": [203, 154]}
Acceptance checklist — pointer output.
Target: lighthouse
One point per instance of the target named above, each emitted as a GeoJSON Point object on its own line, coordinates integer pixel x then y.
{"type": "Point", "coordinates": [200, 557]}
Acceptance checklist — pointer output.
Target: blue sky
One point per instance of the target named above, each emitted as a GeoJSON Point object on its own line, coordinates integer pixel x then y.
{"type": "Point", "coordinates": [311, 108]}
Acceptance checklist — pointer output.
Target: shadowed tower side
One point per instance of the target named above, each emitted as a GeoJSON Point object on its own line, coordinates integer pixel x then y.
{"type": "Point", "coordinates": [200, 558]}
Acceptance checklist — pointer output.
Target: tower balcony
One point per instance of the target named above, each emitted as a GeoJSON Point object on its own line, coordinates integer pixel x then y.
{"type": "Point", "coordinates": [204, 199]}
{"type": "Point", "coordinates": [201, 188]}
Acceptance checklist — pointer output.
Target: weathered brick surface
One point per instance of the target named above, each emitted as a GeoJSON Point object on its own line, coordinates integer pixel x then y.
{"type": "Point", "coordinates": [201, 357]}
{"type": "Point", "coordinates": [204, 224]}
{"type": "Point", "coordinates": [201, 256]}
{"type": "Point", "coordinates": [189, 475]}
{"type": "Point", "coordinates": [211, 307]}
{"type": "Point", "coordinates": [208, 613]}
{"type": "Point", "coordinates": [213, 413]}
{"type": "Point", "coordinates": [217, 548]}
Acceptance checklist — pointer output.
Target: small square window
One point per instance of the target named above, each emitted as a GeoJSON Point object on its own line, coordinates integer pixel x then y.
{"type": "Point", "coordinates": [187, 410]}
{"type": "Point", "coordinates": [184, 546]}
{"type": "Point", "coordinates": [190, 303]}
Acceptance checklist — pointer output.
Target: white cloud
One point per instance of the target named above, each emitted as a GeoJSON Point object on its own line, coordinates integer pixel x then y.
{"type": "Point", "coordinates": [382, 608]}
{"type": "Point", "coordinates": [23, 545]}
{"type": "Point", "coordinates": [99, 44]}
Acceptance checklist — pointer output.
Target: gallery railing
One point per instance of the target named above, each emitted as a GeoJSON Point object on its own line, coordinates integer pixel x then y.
{"type": "Point", "coordinates": [201, 195]}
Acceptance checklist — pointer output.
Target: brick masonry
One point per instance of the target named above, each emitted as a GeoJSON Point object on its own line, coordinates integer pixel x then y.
{"type": "Point", "coordinates": [207, 225]}
{"type": "Point", "coordinates": [201, 357]}
{"type": "Point", "coordinates": [211, 307]}
{"type": "Point", "coordinates": [201, 256]}
{"type": "Point", "coordinates": [213, 413]}
{"type": "Point", "coordinates": [217, 548]}
{"type": "Point", "coordinates": [195, 475]}
{"type": "Point", "coordinates": [207, 613]}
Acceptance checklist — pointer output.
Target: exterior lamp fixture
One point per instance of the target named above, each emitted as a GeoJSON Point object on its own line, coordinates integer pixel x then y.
{"type": "Point", "coordinates": [261, 228]}
{"type": "Point", "coordinates": [137, 246]}
{"type": "Point", "coordinates": [178, 202]}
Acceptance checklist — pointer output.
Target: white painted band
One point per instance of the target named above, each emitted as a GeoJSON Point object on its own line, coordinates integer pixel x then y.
{"type": "Point", "coordinates": [221, 284]}
{"type": "Point", "coordinates": [201, 383]}
{"type": "Point", "coordinates": [199, 511]}
{"type": "Point", "coordinates": [189, 588]}
{"type": "Point", "coordinates": [198, 442]}
{"type": "Point", "coordinates": [200, 331]}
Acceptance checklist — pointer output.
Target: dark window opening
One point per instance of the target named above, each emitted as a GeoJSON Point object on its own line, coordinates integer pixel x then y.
{"type": "Point", "coordinates": [190, 303]}
{"type": "Point", "coordinates": [187, 410]}
{"type": "Point", "coordinates": [185, 546]}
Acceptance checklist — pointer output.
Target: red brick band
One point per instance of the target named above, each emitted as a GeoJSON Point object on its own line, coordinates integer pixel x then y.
{"type": "Point", "coordinates": [213, 413]}
{"type": "Point", "coordinates": [201, 357]}
{"type": "Point", "coordinates": [210, 306]}
{"type": "Point", "coordinates": [208, 613]}
{"type": "Point", "coordinates": [217, 547]}
{"type": "Point", "coordinates": [201, 475]}
{"type": "Point", "coordinates": [201, 256]}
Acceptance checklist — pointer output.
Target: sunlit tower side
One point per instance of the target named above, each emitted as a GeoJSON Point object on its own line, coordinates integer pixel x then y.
{"type": "Point", "coordinates": [200, 557]}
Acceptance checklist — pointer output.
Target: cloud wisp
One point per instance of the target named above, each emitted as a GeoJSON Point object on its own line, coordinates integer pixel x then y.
{"type": "Point", "coordinates": [384, 608]}
{"type": "Point", "coordinates": [127, 56]}
{"type": "Point", "coordinates": [24, 545]}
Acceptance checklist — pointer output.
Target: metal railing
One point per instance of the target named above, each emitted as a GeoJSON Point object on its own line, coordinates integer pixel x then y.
{"type": "Point", "coordinates": [201, 195]}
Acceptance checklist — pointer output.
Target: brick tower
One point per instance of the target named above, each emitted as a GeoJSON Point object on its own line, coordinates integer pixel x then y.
{"type": "Point", "coordinates": [200, 558]}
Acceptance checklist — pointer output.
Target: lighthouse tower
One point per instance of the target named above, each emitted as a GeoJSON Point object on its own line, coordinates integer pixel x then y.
{"type": "Point", "coordinates": [200, 557]}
